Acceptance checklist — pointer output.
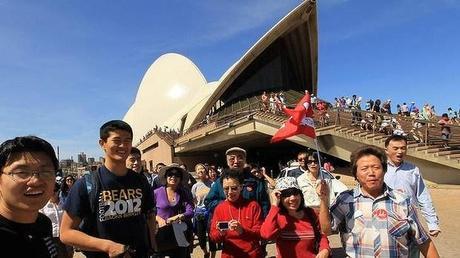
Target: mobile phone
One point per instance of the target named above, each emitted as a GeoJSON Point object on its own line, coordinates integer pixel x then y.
{"type": "Point", "coordinates": [222, 225]}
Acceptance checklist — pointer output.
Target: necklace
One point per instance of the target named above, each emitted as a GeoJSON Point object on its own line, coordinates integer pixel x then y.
{"type": "Point", "coordinates": [231, 215]}
{"type": "Point", "coordinates": [171, 196]}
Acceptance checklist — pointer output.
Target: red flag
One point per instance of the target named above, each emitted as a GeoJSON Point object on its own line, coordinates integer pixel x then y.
{"type": "Point", "coordinates": [300, 121]}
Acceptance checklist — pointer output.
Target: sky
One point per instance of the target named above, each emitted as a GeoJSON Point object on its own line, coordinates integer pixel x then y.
{"type": "Point", "coordinates": [66, 67]}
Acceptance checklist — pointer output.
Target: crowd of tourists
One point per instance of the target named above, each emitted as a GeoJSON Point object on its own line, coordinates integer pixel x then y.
{"type": "Point", "coordinates": [122, 210]}
{"type": "Point", "coordinates": [272, 102]}
{"type": "Point", "coordinates": [377, 117]}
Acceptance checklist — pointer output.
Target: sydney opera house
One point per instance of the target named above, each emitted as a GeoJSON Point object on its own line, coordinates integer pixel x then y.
{"type": "Point", "coordinates": [174, 94]}
{"type": "Point", "coordinates": [178, 116]}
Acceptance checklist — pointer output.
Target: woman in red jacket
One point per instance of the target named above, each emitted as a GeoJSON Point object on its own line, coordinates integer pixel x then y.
{"type": "Point", "coordinates": [236, 222]}
{"type": "Point", "coordinates": [295, 228]}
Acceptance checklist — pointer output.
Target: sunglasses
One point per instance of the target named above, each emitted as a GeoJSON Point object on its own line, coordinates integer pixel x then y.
{"type": "Point", "coordinates": [178, 175]}
{"type": "Point", "coordinates": [290, 191]}
{"type": "Point", "coordinates": [310, 161]}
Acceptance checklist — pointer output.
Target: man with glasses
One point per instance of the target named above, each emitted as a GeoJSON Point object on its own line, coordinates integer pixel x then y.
{"type": "Point", "coordinates": [28, 168]}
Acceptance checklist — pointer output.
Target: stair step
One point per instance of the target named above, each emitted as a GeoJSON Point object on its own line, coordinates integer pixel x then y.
{"type": "Point", "coordinates": [371, 135]}
{"type": "Point", "coordinates": [422, 148]}
{"type": "Point", "coordinates": [453, 156]}
{"type": "Point", "coordinates": [414, 145]}
{"type": "Point", "coordinates": [447, 152]}
{"type": "Point", "coordinates": [357, 132]}
{"type": "Point", "coordinates": [434, 150]}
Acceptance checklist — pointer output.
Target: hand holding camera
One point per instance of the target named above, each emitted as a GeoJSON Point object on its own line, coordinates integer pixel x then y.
{"type": "Point", "coordinates": [235, 225]}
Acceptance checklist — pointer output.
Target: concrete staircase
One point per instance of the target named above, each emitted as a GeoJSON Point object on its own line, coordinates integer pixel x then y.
{"type": "Point", "coordinates": [432, 151]}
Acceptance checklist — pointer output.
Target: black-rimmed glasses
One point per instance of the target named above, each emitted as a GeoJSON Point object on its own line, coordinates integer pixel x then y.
{"type": "Point", "coordinates": [24, 176]}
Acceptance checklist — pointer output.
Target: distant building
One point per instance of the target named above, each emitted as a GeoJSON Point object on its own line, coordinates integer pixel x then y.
{"type": "Point", "coordinates": [82, 158]}
{"type": "Point", "coordinates": [65, 163]}
{"type": "Point", "coordinates": [91, 161]}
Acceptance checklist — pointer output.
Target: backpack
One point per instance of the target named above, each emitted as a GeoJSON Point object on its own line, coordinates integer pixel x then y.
{"type": "Point", "coordinates": [93, 185]}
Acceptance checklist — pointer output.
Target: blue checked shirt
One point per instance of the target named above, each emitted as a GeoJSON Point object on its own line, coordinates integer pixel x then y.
{"type": "Point", "coordinates": [386, 226]}
{"type": "Point", "coordinates": [407, 179]}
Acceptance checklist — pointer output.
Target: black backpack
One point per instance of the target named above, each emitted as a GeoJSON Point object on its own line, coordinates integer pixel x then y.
{"type": "Point", "coordinates": [93, 185]}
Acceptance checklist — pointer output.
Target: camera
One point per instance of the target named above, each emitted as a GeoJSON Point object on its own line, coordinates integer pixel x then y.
{"type": "Point", "coordinates": [222, 225]}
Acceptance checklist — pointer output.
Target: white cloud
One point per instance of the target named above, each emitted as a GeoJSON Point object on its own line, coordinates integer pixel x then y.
{"type": "Point", "coordinates": [221, 20]}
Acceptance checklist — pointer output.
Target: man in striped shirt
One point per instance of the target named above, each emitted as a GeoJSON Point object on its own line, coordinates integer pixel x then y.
{"type": "Point", "coordinates": [373, 219]}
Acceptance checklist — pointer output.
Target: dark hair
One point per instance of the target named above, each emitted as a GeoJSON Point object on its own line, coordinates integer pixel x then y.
{"type": "Point", "coordinates": [135, 150]}
{"type": "Point", "coordinates": [309, 213]}
{"type": "Point", "coordinates": [64, 187]}
{"type": "Point", "coordinates": [395, 137]}
{"type": "Point", "coordinates": [113, 125]}
{"type": "Point", "coordinates": [26, 144]}
{"type": "Point", "coordinates": [288, 192]}
{"type": "Point", "coordinates": [313, 155]}
{"type": "Point", "coordinates": [213, 167]}
{"type": "Point", "coordinates": [160, 164]}
{"type": "Point", "coordinates": [232, 174]}
{"type": "Point", "coordinates": [302, 153]}
{"type": "Point", "coordinates": [367, 150]}
{"type": "Point", "coordinates": [254, 166]}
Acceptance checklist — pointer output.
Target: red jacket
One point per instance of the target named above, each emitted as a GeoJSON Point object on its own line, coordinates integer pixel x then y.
{"type": "Point", "coordinates": [294, 237]}
{"type": "Point", "coordinates": [248, 213]}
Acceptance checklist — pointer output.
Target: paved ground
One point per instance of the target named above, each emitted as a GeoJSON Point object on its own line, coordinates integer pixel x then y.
{"type": "Point", "coordinates": [447, 203]}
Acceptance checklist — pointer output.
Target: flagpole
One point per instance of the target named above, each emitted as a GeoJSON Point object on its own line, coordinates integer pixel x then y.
{"type": "Point", "coordinates": [321, 176]}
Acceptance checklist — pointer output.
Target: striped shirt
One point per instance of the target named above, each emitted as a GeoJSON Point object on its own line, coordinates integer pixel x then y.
{"type": "Point", "coordinates": [295, 238]}
{"type": "Point", "coordinates": [386, 226]}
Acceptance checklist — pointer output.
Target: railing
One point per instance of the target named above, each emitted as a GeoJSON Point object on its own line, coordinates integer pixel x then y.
{"type": "Point", "coordinates": [427, 132]}
{"type": "Point", "coordinates": [421, 131]}
{"type": "Point", "coordinates": [242, 108]}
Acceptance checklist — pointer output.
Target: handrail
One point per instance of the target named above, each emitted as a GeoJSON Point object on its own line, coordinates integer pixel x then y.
{"type": "Point", "coordinates": [424, 132]}
{"type": "Point", "coordinates": [428, 130]}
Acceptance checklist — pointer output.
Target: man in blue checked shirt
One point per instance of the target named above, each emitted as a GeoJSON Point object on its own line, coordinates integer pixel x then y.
{"type": "Point", "coordinates": [373, 219]}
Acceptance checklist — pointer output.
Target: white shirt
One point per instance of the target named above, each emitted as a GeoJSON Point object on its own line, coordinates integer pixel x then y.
{"type": "Point", "coordinates": [308, 188]}
{"type": "Point", "coordinates": [54, 212]}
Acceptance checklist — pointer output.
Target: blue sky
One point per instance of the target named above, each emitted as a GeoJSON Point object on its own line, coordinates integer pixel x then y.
{"type": "Point", "coordinates": [68, 66]}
